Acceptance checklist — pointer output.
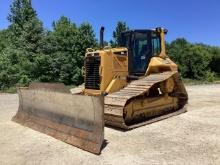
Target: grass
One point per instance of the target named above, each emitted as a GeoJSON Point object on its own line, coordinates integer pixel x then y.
{"type": "Point", "coordinates": [198, 82]}
{"type": "Point", "coordinates": [9, 90]}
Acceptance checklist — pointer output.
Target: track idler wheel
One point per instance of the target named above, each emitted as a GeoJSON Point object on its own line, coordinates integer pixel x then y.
{"type": "Point", "coordinates": [167, 86]}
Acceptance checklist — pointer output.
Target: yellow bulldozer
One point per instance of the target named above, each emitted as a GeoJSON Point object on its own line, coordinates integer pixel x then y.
{"type": "Point", "coordinates": [125, 87]}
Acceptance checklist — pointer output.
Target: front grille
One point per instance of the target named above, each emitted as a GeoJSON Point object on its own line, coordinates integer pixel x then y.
{"type": "Point", "coordinates": [92, 77]}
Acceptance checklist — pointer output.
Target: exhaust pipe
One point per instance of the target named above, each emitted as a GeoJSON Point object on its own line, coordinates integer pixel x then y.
{"type": "Point", "coordinates": [102, 37]}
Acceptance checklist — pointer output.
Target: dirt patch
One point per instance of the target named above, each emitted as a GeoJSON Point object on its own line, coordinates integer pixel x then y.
{"type": "Point", "coordinates": [190, 138]}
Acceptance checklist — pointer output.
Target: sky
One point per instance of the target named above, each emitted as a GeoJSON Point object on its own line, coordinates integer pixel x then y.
{"type": "Point", "coordinates": [196, 20]}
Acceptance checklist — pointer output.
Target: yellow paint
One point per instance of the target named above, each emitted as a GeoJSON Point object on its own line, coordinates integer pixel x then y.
{"type": "Point", "coordinates": [114, 67]}
{"type": "Point", "coordinates": [158, 64]}
{"type": "Point", "coordinates": [113, 73]}
{"type": "Point", "coordinates": [113, 70]}
{"type": "Point", "coordinates": [117, 83]}
{"type": "Point", "coordinates": [149, 106]}
{"type": "Point", "coordinates": [163, 47]}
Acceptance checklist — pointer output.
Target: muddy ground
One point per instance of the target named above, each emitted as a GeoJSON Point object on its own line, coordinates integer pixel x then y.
{"type": "Point", "coordinates": [190, 138]}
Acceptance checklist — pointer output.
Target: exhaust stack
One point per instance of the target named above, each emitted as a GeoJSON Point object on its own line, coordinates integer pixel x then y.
{"type": "Point", "coordinates": [102, 37]}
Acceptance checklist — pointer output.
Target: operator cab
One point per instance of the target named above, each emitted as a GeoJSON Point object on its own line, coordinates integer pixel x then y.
{"type": "Point", "coordinates": [141, 45]}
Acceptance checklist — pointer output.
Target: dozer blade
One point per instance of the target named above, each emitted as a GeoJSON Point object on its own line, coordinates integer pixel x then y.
{"type": "Point", "coordinates": [53, 110]}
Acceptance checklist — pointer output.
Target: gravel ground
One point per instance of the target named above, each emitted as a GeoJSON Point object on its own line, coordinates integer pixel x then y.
{"type": "Point", "coordinates": [190, 138]}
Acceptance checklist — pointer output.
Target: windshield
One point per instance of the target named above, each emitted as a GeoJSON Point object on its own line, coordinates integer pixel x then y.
{"type": "Point", "coordinates": [142, 45]}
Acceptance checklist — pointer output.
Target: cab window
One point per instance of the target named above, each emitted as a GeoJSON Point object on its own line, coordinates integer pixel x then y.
{"type": "Point", "coordinates": [141, 51]}
{"type": "Point", "coordinates": [156, 47]}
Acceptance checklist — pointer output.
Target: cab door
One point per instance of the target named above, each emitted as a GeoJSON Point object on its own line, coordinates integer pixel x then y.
{"type": "Point", "coordinates": [141, 52]}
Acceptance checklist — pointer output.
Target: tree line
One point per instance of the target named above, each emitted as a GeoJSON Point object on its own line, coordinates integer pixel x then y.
{"type": "Point", "coordinates": [29, 52]}
{"type": "Point", "coordinates": [196, 61]}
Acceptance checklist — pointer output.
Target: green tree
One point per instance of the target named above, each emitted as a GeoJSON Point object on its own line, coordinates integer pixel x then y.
{"type": "Point", "coordinates": [193, 59]}
{"type": "Point", "coordinates": [26, 29]}
{"type": "Point", "coordinates": [215, 62]}
{"type": "Point", "coordinates": [4, 41]}
{"type": "Point", "coordinates": [85, 39]}
{"type": "Point", "coordinates": [66, 48]}
{"type": "Point", "coordinates": [121, 27]}
{"type": "Point", "coordinates": [25, 34]}
{"type": "Point", "coordinates": [196, 62]}
{"type": "Point", "coordinates": [62, 51]}
{"type": "Point", "coordinates": [178, 50]}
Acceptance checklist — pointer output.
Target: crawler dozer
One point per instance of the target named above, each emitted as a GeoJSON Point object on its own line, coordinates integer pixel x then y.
{"type": "Point", "coordinates": [125, 87]}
